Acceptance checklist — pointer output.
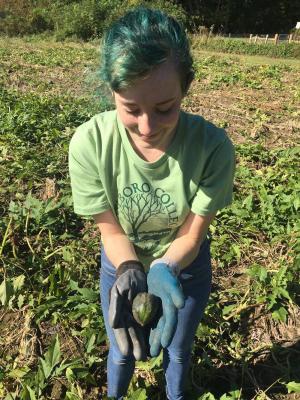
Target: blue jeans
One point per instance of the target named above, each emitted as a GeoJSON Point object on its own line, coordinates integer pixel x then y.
{"type": "Point", "coordinates": [196, 283]}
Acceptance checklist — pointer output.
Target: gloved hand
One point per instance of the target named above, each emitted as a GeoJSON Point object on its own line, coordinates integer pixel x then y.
{"type": "Point", "coordinates": [131, 279]}
{"type": "Point", "coordinates": [162, 282]}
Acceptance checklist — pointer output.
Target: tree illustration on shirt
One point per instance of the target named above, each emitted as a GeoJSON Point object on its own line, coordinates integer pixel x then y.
{"type": "Point", "coordinates": [148, 211]}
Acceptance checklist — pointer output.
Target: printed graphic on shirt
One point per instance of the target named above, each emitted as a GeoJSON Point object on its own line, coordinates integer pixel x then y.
{"type": "Point", "coordinates": [141, 206]}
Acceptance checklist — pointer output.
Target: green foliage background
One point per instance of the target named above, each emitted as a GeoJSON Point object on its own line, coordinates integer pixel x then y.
{"type": "Point", "coordinates": [88, 18]}
{"type": "Point", "coordinates": [84, 19]}
{"type": "Point", "coordinates": [245, 16]}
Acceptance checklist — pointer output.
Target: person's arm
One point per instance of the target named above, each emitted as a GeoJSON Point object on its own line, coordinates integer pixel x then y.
{"type": "Point", "coordinates": [185, 247]}
{"type": "Point", "coordinates": [130, 280]}
{"type": "Point", "coordinates": [163, 283]}
{"type": "Point", "coordinates": [117, 246]}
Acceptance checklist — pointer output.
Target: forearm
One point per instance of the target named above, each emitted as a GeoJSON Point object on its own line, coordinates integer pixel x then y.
{"type": "Point", "coordinates": [183, 250]}
{"type": "Point", "coordinates": [118, 248]}
{"type": "Point", "coordinates": [185, 247]}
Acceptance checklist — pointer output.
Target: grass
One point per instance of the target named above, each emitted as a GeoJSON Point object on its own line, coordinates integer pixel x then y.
{"type": "Point", "coordinates": [53, 342]}
{"type": "Point", "coordinates": [251, 59]}
{"type": "Point", "coordinates": [226, 45]}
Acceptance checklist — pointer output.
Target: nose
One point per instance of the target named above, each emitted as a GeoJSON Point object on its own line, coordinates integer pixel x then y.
{"type": "Point", "coordinates": [147, 124]}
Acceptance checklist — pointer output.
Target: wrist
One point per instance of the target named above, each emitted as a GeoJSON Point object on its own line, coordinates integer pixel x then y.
{"type": "Point", "coordinates": [171, 265]}
{"type": "Point", "coordinates": [130, 264]}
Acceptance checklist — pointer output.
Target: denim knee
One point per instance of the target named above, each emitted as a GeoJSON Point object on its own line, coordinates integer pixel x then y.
{"type": "Point", "coordinates": [119, 359]}
{"type": "Point", "coordinates": [178, 356]}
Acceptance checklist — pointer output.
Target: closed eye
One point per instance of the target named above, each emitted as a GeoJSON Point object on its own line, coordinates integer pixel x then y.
{"type": "Point", "coordinates": [164, 111]}
{"type": "Point", "coordinates": [136, 112]}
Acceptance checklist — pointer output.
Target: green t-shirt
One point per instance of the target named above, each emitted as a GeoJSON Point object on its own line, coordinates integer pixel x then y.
{"type": "Point", "coordinates": [150, 199]}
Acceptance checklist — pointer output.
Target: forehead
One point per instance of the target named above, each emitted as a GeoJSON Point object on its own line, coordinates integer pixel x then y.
{"type": "Point", "coordinates": [161, 84]}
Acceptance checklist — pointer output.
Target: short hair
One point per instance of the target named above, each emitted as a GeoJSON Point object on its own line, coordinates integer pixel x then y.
{"type": "Point", "coordinates": [140, 40]}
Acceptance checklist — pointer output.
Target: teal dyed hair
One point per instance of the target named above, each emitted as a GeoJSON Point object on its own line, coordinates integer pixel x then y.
{"type": "Point", "coordinates": [140, 40]}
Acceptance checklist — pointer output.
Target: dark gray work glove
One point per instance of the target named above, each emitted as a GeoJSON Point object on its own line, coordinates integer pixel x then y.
{"type": "Point", "coordinates": [131, 280]}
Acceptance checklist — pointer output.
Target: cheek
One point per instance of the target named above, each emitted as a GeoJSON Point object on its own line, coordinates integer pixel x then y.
{"type": "Point", "coordinates": [172, 118]}
{"type": "Point", "coordinates": [127, 119]}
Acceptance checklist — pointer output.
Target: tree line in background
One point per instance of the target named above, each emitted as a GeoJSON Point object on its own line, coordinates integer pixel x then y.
{"type": "Point", "coordinates": [86, 19]}
{"type": "Point", "coordinates": [245, 16]}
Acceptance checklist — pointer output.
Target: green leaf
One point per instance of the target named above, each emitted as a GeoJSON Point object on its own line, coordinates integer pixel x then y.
{"type": "Point", "coordinates": [293, 387]}
{"type": "Point", "coordinates": [70, 375]}
{"type": "Point", "coordinates": [280, 314]}
{"type": "Point", "coordinates": [152, 363]}
{"type": "Point", "coordinates": [18, 372]}
{"type": "Point", "coordinates": [51, 205]}
{"type": "Point", "coordinates": [67, 254]}
{"type": "Point", "coordinates": [34, 205]}
{"type": "Point", "coordinates": [90, 343]}
{"type": "Point", "coordinates": [32, 202]}
{"type": "Point", "coordinates": [54, 352]}
{"type": "Point", "coordinates": [85, 323]}
{"type": "Point", "coordinates": [234, 395]}
{"type": "Point", "coordinates": [46, 368]}
{"type": "Point", "coordinates": [296, 203]}
{"type": "Point", "coordinates": [10, 396]}
{"type": "Point", "coordinates": [227, 309]}
{"type": "Point", "coordinates": [248, 201]}
{"type": "Point", "coordinates": [28, 393]}
{"type": "Point", "coordinates": [18, 282]}
{"type": "Point", "coordinates": [88, 294]}
{"type": "Point", "coordinates": [258, 272]}
{"type": "Point", "coordinates": [6, 292]}
{"type": "Point", "coordinates": [237, 251]}
{"type": "Point", "coordinates": [207, 396]}
{"type": "Point", "coordinates": [52, 358]}
{"type": "Point", "coordinates": [281, 275]}
{"type": "Point", "coordinates": [72, 396]}
{"type": "Point", "coordinates": [139, 394]}
{"type": "Point", "coordinates": [272, 300]}
{"type": "Point", "coordinates": [21, 299]}
{"type": "Point", "coordinates": [284, 293]}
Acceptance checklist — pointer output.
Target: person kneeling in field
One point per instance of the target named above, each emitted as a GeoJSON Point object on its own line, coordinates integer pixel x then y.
{"type": "Point", "coordinates": [153, 178]}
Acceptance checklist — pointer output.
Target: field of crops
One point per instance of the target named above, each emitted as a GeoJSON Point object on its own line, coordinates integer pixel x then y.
{"type": "Point", "coordinates": [52, 338]}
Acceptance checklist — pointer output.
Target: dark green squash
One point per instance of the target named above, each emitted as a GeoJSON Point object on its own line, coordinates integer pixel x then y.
{"type": "Point", "coordinates": [144, 307]}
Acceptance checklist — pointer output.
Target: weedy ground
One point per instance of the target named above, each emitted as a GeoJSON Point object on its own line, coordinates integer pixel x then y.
{"type": "Point", "coordinates": [52, 342]}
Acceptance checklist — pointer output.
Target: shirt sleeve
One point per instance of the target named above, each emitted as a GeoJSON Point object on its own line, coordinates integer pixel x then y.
{"type": "Point", "coordinates": [88, 194]}
{"type": "Point", "coordinates": [216, 185]}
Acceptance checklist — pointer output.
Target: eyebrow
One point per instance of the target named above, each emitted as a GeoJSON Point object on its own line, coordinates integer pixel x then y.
{"type": "Point", "coordinates": [129, 103]}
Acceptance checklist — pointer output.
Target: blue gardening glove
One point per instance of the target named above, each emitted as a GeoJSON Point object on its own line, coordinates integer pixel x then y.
{"type": "Point", "coordinates": [162, 282]}
{"type": "Point", "coordinates": [131, 280]}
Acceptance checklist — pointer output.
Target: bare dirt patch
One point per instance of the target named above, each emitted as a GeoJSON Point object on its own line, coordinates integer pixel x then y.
{"type": "Point", "coordinates": [249, 115]}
